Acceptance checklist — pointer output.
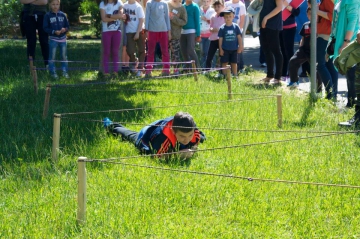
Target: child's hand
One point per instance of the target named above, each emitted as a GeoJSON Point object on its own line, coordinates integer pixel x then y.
{"type": "Point", "coordinates": [169, 35]}
{"type": "Point", "coordinates": [57, 32]}
{"type": "Point", "coordinates": [203, 18]}
{"type": "Point", "coordinates": [63, 30]}
{"type": "Point", "coordinates": [198, 39]}
{"type": "Point", "coordinates": [240, 49]}
{"type": "Point", "coordinates": [186, 153]}
{"type": "Point", "coordinates": [136, 36]}
{"type": "Point", "coordinates": [263, 23]}
{"type": "Point", "coordinates": [221, 53]}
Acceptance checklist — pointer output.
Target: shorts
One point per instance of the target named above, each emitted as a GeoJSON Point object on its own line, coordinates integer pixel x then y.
{"type": "Point", "coordinates": [229, 56]}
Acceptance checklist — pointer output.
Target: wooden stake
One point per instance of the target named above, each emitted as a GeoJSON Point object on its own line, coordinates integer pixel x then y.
{"type": "Point", "coordinates": [35, 80]}
{"type": "Point", "coordinates": [279, 110]}
{"type": "Point", "coordinates": [194, 70]}
{"type": "Point", "coordinates": [47, 101]}
{"type": "Point", "coordinates": [81, 211]}
{"type": "Point", "coordinates": [56, 137]}
{"type": "Point", "coordinates": [228, 79]}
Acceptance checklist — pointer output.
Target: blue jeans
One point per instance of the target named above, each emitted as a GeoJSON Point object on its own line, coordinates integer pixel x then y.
{"type": "Point", "coordinates": [326, 70]}
{"type": "Point", "coordinates": [52, 54]}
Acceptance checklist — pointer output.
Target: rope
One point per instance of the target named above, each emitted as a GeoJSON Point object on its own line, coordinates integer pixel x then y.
{"type": "Point", "coordinates": [228, 147]}
{"type": "Point", "coordinates": [168, 106]}
{"type": "Point", "coordinates": [233, 176]}
{"type": "Point", "coordinates": [221, 129]}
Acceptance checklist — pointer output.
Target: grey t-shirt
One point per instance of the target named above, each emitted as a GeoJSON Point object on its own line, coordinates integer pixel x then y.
{"type": "Point", "coordinates": [157, 16]}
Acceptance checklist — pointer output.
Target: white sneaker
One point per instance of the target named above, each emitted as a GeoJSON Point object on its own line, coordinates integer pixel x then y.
{"type": "Point", "coordinates": [139, 73]}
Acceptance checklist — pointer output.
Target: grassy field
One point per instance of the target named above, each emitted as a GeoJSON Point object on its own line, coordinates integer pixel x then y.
{"type": "Point", "coordinates": [124, 200]}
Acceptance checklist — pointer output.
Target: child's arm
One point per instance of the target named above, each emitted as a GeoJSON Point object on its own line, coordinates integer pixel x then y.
{"type": "Point", "coordinates": [301, 42]}
{"type": "Point", "coordinates": [66, 25]}
{"type": "Point", "coordinates": [241, 47]}
{"type": "Point", "coordinates": [46, 25]}
{"type": "Point", "coordinates": [139, 29]}
{"type": "Point", "coordinates": [197, 23]}
{"type": "Point", "coordinates": [181, 19]}
{"type": "Point", "coordinates": [275, 11]}
{"type": "Point", "coordinates": [221, 53]}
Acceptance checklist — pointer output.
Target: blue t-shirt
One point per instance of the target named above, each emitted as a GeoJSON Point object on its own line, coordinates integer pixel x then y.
{"type": "Point", "coordinates": [229, 35]}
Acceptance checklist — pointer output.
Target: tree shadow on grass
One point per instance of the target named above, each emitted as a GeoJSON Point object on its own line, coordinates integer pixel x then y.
{"type": "Point", "coordinates": [304, 120]}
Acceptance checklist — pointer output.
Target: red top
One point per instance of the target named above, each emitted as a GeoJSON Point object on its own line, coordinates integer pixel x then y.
{"type": "Point", "coordinates": [324, 25]}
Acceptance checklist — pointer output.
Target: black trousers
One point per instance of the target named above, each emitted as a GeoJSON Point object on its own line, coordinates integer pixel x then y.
{"type": "Point", "coordinates": [270, 44]}
{"type": "Point", "coordinates": [296, 61]}
{"type": "Point", "coordinates": [31, 24]}
{"type": "Point", "coordinates": [125, 133]}
{"type": "Point", "coordinates": [213, 47]}
{"type": "Point", "coordinates": [287, 37]}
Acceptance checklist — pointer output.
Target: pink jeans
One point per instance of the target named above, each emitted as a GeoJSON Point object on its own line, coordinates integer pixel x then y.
{"type": "Point", "coordinates": [111, 43]}
{"type": "Point", "coordinates": [163, 39]}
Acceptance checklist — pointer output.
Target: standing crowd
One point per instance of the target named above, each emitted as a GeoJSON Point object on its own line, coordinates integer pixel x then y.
{"type": "Point", "coordinates": [171, 29]}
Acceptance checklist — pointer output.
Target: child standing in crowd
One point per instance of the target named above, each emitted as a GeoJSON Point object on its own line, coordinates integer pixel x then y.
{"type": "Point", "coordinates": [216, 22]}
{"type": "Point", "coordinates": [302, 54]}
{"type": "Point", "coordinates": [230, 41]}
{"type": "Point", "coordinates": [157, 25]}
{"type": "Point", "coordinates": [56, 25]}
{"type": "Point", "coordinates": [206, 12]}
{"type": "Point", "coordinates": [135, 36]}
{"type": "Point", "coordinates": [190, 32]}
{"type": "Point", "coordinates": [111, 13]}
{"type": "Point", "coordinates": [178, 18]}
{"type": "Point", "coordinates": [239, 18]}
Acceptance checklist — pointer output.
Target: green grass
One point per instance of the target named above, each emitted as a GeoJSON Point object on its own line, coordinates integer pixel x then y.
{"type": "Point", "coordinates": [39, 196]}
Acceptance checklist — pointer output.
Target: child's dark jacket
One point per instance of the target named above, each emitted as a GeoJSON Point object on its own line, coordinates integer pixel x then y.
{"type": "Point", "coordinates": [158, 138]}
{"type": "Point", "coordinates": [54, 22]}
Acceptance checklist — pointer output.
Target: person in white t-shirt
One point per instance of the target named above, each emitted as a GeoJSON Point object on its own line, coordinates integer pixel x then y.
{"type": "Point", "coordinates": [240, 14]}
{"type": "Point", "coordinates": [111, 13]}
{"type": "Point", "coordinates": [206, 12]}
{"type": "Point", "coordinates": [134, 34]}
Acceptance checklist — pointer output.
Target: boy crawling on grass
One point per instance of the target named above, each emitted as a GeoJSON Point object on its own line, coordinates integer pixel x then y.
{"type": "Point", "coordinates": [172, 134]}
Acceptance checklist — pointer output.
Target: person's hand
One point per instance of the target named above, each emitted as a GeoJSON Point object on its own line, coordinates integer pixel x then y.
{"type": "Point", "coordinates": [285, 3]}
{"type": "Point", "coordinates": [198, 39]}
{"type": "Point", "coordinates": [58, 32]}
{"type": "Point", "coordinates": [263, 23]}
{"type": "Point", "coordinates": [136, 36]}
{"type": "Point", "coordinates": [63, 30]}
{"type": "Point", "coordinates": [342, 47]}
{"type": "Point", "coordinates": [186, 153]}
{"type": "Point", "coordinates": [169, 36]}
{"type": "Point", "coordinates": [327, 57]}
{"type": "Point", "coordinates": [171, 15]}
{"type": "Point", "coordinates": [240, 49]}
{"type": "Point", "coordinates": [221, 53]}
{"type": "Point", "coordinates": [203, 18]}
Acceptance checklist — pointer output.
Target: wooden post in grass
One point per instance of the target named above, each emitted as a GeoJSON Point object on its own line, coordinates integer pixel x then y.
{"type": "Point", "coordinates": [47, 101]}
{"type": "Point", "coordinates": [193, 65]}
{"type": "Point", "coordinates": [56, 137]}
{"type": "Point", "coordinates": [81, 211]}
{"type": "Point", "coordinates": [279, 110]}
{"type": "Point", "coordinates": [228, 80]}
{"type": "Point", "coordinates": [35, 78]}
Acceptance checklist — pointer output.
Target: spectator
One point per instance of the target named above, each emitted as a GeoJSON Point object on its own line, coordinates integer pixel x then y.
{"type": "Point", "coordinates": [325, 69]}
{"type": "Point", "coordinates": [56, 25]}
{"type": "Point", "coordinates": [135, 36]}
{"type": "Point", "coordinates": [157, 24]}
{"type": "Point", "coordinates": [216, 22]}
{"type": "Point", "coordinates": [230, 41]}
{"type": "Point", "coordinates": [271, 24]}
{"type": "Point", "coordinates": [190, 32]}
{"type": "Point", "coordinates": [240, 13]}
{"type": "Point", "coordinates": [111, 13]}
{"type": "Point", "coordinates": [32, 20]}
{"type": "Point", "coordinates": [178, 18]}
{"type": "Point", "coordinates": [287, 37]}
{"type": "Point", "coordinates": [345, 25]}
{"type": "Point", "coordinates": [206, 12]}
